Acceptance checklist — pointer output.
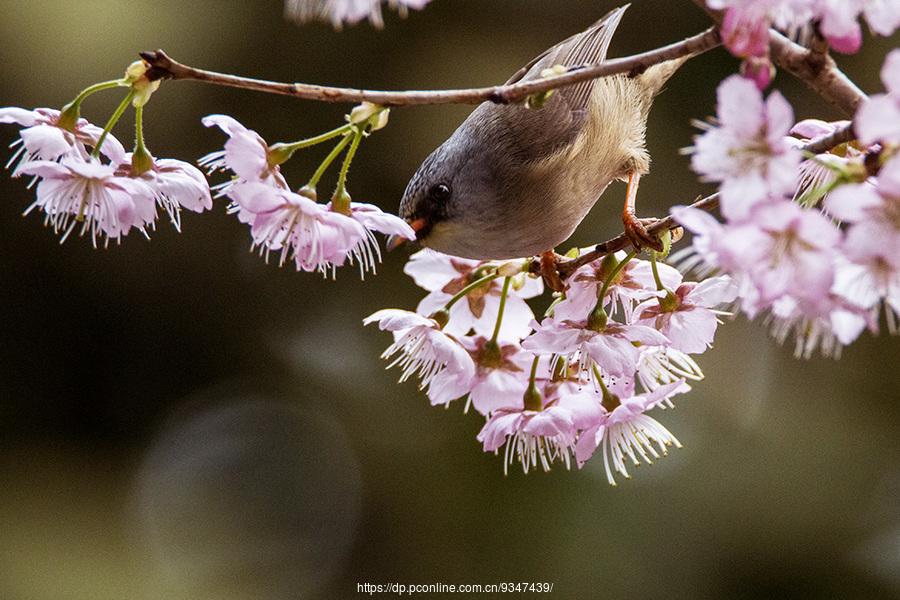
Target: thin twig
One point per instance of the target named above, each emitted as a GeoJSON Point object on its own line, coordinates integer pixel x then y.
{"type": "Point", "coordinates": [566, 267]}
{"type": "Point", "coordinates": [163, 67]}
{"type": "Point", "coordinates": [841, 136]}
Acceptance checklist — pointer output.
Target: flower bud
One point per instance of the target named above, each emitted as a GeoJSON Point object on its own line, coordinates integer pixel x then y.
{"type": "Point", "coordinates": [136, 75]}
{"type": "Point", "coordinates": [374, 115]}
{"type": "Point", "coordinates": [510, 269]}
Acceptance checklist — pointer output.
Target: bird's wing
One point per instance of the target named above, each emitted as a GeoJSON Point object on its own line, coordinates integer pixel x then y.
{"type": "Point", "coordinates": [534, 134]}
{"type": "Point", "coordinates": [587, 47]}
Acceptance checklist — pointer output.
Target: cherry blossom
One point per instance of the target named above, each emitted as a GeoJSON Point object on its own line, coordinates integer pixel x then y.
{"type": "Point", "coordinates": [634, 283]}
{"type": "Point", "coordinates": [780, 250]}
{"type": "Point", "coordinates": [501, 374]}
{"type": "Point", "coordinates": [625, 431]}
{"type": "Point", "coordinates": [315, 238]}
{"type": "Point", "coordinates": [531, 436]}
{"type": "Point", "coordinates": [613, 349]}
{"type": "Point", "coordinates": [74, 190]}
{"type": "Point", "coordinates": [818, 175]}
{"type": "Point", "coordinates": [878, 119]}
{"type": "Point", "coordinates": [339, 12]}
{"type": "Point", "coordinates": [246, 154]}
{"type": "Point", "coordinates": [44, 138]}
{"type": "Point", "coordinates": [746, 21]}
{"type": "Point", "coordinates": [747, 151]}
{"type": "Point", "coordinates": [869, 270]}
{"type": "Point", "coordinates": [828, 324]}
{"type": "Point", "coordinates": [423, 348]}
{"type": "Point", "coordinates": [686, 318]}
{"type": "Point", "coordinates": [173, 185]}
{"type": "Point", "coordinates": [444, 276]}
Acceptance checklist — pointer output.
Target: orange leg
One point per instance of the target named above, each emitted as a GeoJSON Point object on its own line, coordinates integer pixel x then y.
{"type": "Point", "coordinates": [636, 229]}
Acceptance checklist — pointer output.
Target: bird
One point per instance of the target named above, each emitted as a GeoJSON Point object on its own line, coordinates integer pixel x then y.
{"type": "Point", "coordinates": [514, 181]}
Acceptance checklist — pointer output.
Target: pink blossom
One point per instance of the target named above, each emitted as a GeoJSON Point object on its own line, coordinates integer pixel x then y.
{"type": "Point", "coordinates": [878, 119]}
{"type": "Point", "coordinates": [746, 23]}
{"type": "Point", "coordinates": [633, 284]}
{"type": "Point", "coordinates": [173, 185]}
{"type": "Point", "coordinates": [687, 319]}
{"type": "Point", "coordinates": [315, 238]}
{"type": "Point", "coordinates": [780, 250]}
{"type": "Point", "coordinates": [43, 138]}
{"type": "Point", "coordinates": [613, 350]}
{"type": "Point", "coordinates": [444, 276]}
{"type": "Point", "coordinates": [883, 16]}
{"type": "Point", "coordinates": [74, 190]}
{"type": "Point", "coordinates": [827, 324]}
{"type": "Point", "coordinates": [838, 24]}
{"type": "Point", "coordinates": [626, 431]}
{"type": "Point", "coordinates": [423, 348]}
{"type": "Point", "coordinates": [531, 436]}
{"type": "Point", "coordinates": [661, 366]}
{"type": "Point", "coordinates": [745, 31]}
{"type": "Point", "coordinates": [818, 174]}
{"type": "Point", "coordinates": [501, 374]}
{"type": "Point", "coordinates": [339, 12]}
{"type": "Point", "coordinates": [748, 152]}
{"type": "Point", "coordinates": [362, 244]}
{"type": "Point", "coordinates": [246, 154]}
{"type": "Point", "coordinates": [869, 272]}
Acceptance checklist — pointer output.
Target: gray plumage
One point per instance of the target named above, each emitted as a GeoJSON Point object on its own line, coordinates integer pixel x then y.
{"type": "Point", "coordinates": [514, 181]}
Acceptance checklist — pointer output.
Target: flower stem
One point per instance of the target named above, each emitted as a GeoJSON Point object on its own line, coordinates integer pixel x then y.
{"type": "Point", "coordinates": [112, 121]}
{"type": "Point", "coordinates": [105, 85]}
{"type": "Point", "coordinates": [141, 160]}
{"type": "Point", "coordinates": [340, 202]}
{"type": "Point", "coordinates": [314, 180]}
{"type": "Point", "coordinates": [472, 286]}
{"type": "Point", "coordinates": [324, 137]}
{"type": "Point", "coordinates": [613, 275]}
{"type": "Point", "coordinates": [610, 401]}
{"type": "Point", "coordinates": [598, 318]}
{"type": "Point", "coordinates": [503, 294]}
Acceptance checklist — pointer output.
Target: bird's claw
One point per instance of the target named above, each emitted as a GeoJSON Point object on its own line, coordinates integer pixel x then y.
{"type": "Point", "coordinates": [638, 236]}
{"type": "Point", "coordinates": [550, 271]}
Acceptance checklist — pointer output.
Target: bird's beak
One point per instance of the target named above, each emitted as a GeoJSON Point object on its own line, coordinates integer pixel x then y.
{"type": "Point", "coordinates": [395, 241]}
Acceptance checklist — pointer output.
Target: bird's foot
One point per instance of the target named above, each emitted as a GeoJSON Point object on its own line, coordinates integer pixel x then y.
{"type": "Point", "coordinates": [637, 234]}
{"type": "Point", "coordinates": [550, 271]}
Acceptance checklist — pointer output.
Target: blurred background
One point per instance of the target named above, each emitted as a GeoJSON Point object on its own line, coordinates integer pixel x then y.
{"type": "Point", "coordinates": [179, 420]}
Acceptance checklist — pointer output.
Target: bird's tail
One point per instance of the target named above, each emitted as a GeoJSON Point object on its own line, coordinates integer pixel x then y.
{"type": "Point", "coordinates": [655, 77]}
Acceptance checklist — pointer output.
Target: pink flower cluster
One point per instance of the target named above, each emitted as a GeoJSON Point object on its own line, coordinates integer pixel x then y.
{"type": "Point", "coordinates": [815, 245]}
{"type": "Point", "coordinates": [339, 12]}
{"type": "Point", "coordinates": [108, 198]}
{"type": "Point", "coordinates": [289, 223]}
{"type": "Point", "coordinates": [745, 28]}
{"type": "Point", "coordinates": [563, 386]}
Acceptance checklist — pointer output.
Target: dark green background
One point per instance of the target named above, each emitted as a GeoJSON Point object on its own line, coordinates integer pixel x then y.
{"type": "Point", "coordinates": [180, 420]}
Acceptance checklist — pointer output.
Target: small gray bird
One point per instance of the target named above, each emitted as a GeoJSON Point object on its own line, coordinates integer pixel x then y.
{"type": "Point", "coordinates": [514, 181]}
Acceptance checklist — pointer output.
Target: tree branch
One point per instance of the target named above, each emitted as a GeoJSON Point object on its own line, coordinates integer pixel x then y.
{"type": "Point", "coordinates": [163, 67]}
{"type": "Point", "coordinates": [814, 67]}
{"type": "Point", "coordinates": [566, 267]}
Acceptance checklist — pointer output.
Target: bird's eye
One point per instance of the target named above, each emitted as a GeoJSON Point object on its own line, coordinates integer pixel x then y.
{"type": "Point", "coordinates": [440, 191]}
